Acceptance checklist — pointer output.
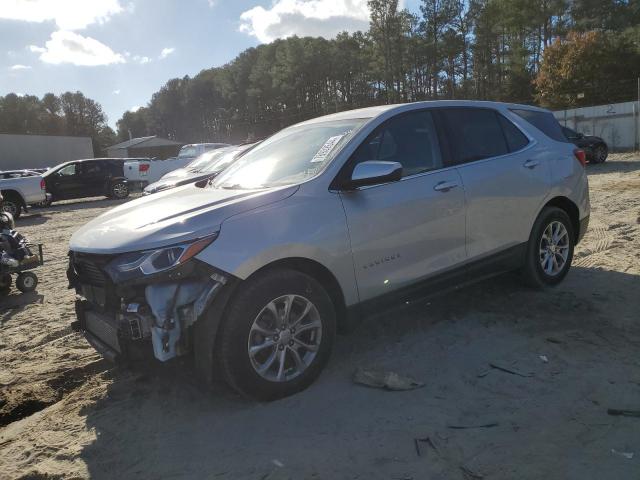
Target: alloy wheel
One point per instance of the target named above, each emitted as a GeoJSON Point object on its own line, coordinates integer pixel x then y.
{"type": "Point", "coordinates": [285, 338]}
{"type": "Point", "coordinates": [554, 248]}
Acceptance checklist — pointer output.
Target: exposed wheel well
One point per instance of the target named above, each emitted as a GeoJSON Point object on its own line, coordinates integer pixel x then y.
{"type": "Point", "coordinates": [14, 195]}
{"type": "Point", "coordinates": [572, 210]}
{"type": "Point", "coordinates": [320, 273]}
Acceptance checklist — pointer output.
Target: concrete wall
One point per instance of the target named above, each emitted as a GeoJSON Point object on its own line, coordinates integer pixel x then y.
{"type": "Point", "coordinates": [618, 124]}
{"type": "Point", "coordinates": [39, 151]}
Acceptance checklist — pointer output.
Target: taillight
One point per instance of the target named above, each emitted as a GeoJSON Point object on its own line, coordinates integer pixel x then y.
{"type": "Point", "coordinates": [43, 186]}
{"type": "Point", "coordinates": [580, 156]}
{"type": "Point", "coordinates": [143, 167]}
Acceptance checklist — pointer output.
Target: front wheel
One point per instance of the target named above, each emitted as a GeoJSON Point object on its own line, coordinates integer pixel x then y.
{"type": "Point", "coordinates": [119, 190]}
{"type": "Point", "coordinates": [277, 335]}
{"type": "Point", "coordinates": [550, 248]}
{"type": "Point", "coordinates": [26, 282]}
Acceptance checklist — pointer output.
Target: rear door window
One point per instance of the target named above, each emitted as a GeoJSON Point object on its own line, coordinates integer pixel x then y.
{"type": "Point", "coordinates": [543, 121]}
{"type": "Point", "coordinates": [475, 133]}
{"type": "Point", "coordinates": [410, 139]}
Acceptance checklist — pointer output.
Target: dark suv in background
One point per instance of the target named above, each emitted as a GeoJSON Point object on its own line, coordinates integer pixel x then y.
{"type": "Point", "coordinates": [87, 178]}
{"type": "Point", "coordinates": [594, 147]}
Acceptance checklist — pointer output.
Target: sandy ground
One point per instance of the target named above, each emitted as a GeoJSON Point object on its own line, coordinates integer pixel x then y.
{"type": "Point", "coordinates": [65, 413]}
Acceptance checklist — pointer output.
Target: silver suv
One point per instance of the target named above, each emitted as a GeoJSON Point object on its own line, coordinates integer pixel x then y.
{"type": "Point", "coordinates": [252, 273]}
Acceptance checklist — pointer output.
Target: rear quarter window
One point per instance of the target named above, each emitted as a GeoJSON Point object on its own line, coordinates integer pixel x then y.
{"type": "Point", "coordinates": [543, 121]}
{"type": "Point", "coordinates": [516, 140]}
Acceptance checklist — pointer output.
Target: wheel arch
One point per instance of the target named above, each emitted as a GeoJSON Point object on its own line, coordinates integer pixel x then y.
{"type": "Point", "coordinates": [572, 210]}
{"type": "Point", "coordinates": [9, 192]}
{"type": "Point", "coordinates": [316, 271]}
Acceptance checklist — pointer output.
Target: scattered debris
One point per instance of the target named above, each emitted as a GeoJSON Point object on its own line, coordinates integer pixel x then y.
{"type": "Point", "coordinates": [428, 441]}
{"type": "Point", "coordinates": [509, 370]}
{"type": "Point", "coordinates": [553, 340]}
{"type": "Point", "coordinates": [623, 413]}
{"type": "Point", "coordinates": [463, 427]}
{"type": "Point", "coordinates": [544, 358]}
{"type": "Point", "coordinates": [468, 473]}
{"type": "Point", "coordinates": [387, 380]}
{"type": "Point", "coordinates": [627, 455]}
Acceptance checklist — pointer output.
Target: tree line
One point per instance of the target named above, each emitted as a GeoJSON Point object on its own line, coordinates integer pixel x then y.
{"type": "Point", "coordinates": [70, 114]}
{"type": "Point", "coordinates": [555, 53]}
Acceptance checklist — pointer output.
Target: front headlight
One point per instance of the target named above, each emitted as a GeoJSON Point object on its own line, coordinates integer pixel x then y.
{"type": "Point", "coordinates": [137, 264]}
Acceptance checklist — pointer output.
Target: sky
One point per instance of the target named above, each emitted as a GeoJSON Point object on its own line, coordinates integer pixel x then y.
{"type": "Point", "coordinates": [119, 52]}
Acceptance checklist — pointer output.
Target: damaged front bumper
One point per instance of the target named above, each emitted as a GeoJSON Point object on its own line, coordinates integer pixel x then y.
{"type": "Point", "coordinates": [154, 315]}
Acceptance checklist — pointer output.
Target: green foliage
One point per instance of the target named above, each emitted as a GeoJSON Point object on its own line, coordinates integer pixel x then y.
{"type": "Point", "coordinates": [69, 114]}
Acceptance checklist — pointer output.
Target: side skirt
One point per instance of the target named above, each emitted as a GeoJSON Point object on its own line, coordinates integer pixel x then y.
{"type": "Point", "coordinates": [444, 282]}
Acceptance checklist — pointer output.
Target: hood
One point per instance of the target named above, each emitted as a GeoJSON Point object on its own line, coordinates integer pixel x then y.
{"type": "Point", "coordinates": [169, 217]}
{"type": "Point", "coordinates": [167, 183]}
{"type": "Point", "coordinates": [177, 173]}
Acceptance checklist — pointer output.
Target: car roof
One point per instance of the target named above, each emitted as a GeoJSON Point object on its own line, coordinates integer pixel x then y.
{"type": "Point", "coordinates": [373, 112]}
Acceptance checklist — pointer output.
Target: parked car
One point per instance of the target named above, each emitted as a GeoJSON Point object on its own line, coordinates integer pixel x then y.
{"type": "Point", "coordinates": [194, 150]}
{"type": "Point", "coordinates": [209, 165]}
{"type": "Point", "coordinates": [20, 192]}
{"type": "Point", "coordinates": [87, 178]}
{"type": "Point", "coordinates": [323, 222]}
{"type": "Point", "coordinates": [595, 148]}
{"type": "Point", "coordinates": [17, 174]}
{"type": "Point", "coordinates": [189, 157]}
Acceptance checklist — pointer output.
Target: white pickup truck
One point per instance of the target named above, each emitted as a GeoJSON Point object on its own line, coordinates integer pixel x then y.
{"type": "Point", "coordinates": [20, 192]}
{"type": "Point", "coordinates": [141, 173]}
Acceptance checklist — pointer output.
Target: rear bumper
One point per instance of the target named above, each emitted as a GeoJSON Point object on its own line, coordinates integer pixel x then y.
{"type": "Point", "coordinates": [584, 225]}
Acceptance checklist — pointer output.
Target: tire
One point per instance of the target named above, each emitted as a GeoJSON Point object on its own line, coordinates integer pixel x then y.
{"type": "Point", "coordinates": [539, 248]}
{"type": "Point", "coordinates": [5, 284]}
{"type": "Point", "coordinates": [12, 205]}
{"type": "Point", "coordinates": [600, 154]}
{"type": "Point", "coordinates": [26, 282]}
{"type": "Point", "coordinates": [119, 190]}
{"type": "Point", "coordinates": [247, 320]}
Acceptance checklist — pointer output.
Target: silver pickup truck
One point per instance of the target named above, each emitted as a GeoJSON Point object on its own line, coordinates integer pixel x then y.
{"type": "Point", "coordinates": [19, 192]}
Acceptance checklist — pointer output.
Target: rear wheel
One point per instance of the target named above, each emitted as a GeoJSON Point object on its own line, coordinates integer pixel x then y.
{"type": "Point", "coordinates": [600, 154]}
{"type": "Point", "coordinates": [119, 190]}
{"type": "Point", "coordinates": [550, 248]}
{"type": "Point", "coordinates": [13, 205]}
{"type": "Point", "coordinates": [277, 335]}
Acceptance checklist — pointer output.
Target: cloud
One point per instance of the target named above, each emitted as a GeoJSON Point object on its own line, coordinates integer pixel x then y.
{"type": "Point", "coordinates": [67, 14]}
{"type": "Point", "coordinates": [324, 18]}
{"type": "Point", "coordinates": [19, 67]}
{"type": "Point", "coordinates": [141, 59]}
{"type": "Point", "coordinates": [135, 108]}
{"type": "Point", "coordinates": [213, 3]}
{"type": "Point", "coordinates": [69, 47]}
{"type": "Point", "coordinates": [116, 92]}
{"type": "Point", "coordinates": [166, 52]}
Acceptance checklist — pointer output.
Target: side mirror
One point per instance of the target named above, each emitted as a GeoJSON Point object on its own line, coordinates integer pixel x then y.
{"type": "Point", "coordinates": [374, 173]}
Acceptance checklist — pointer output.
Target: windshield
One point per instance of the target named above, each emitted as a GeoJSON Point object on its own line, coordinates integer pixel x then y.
{"type": "Point", "coordinates": [292, 155]}
{"type": "Point", "coordinates": [205, 160]}
{"type": "Point", "coordinates": [188, 151]}
{"type": "Point", "coordinates": [224, 160]}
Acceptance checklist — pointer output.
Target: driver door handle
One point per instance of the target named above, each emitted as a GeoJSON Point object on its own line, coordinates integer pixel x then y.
{"type": "Point", "coordinates": [444, 186]}
{"type": "Point", "coordinates": [530, 164]}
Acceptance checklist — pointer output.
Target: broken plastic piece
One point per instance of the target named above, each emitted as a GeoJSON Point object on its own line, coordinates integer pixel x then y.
{"type": "Point", "coordinates": [386, 380]}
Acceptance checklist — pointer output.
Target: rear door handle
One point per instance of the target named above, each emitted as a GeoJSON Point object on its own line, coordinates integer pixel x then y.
{"type": "Point", "coordinates": [531, 164]}
{"type": "Point", "coordinates": [444, 186]}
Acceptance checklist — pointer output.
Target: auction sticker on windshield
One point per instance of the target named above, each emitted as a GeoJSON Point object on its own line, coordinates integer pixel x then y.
{"type": "Point", "coordinates": [325, 149]}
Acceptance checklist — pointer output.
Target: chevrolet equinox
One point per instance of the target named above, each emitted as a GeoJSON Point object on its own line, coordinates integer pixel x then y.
{"type": "Point", "coordinates": [250, 274]}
